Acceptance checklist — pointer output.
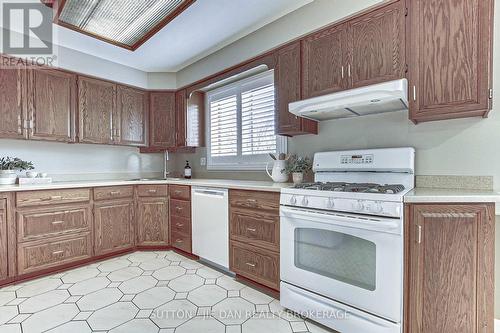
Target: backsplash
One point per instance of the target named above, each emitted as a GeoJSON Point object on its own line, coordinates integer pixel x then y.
{"type": "Point", "coordinates": [67, 162]}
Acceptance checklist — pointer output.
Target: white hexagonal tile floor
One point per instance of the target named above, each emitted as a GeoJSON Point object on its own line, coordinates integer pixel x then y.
{"type": "Point", "coordinates": [176, 294]}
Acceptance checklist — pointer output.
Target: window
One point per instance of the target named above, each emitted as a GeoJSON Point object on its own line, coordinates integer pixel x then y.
{"type": "Point", "coordinates": [240, 124]}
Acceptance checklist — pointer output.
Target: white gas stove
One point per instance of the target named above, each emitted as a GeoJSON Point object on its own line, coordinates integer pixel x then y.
{"type": "Point", "coordinates": [342, 240]}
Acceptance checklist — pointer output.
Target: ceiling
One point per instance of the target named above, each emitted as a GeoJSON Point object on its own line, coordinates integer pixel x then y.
{"type": "Point", "coordinates": [203, 28]}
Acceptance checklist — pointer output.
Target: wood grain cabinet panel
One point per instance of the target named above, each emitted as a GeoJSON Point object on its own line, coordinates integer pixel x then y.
{"type": "Point", "coordinates": [180, 192]}
{"type": "Point", "coordinates": [450, 63]}
{"type": "Point", "coordinates": [288, 89]}
{"type": "Point", "coordinates": [324, 62]}
{"type": "Point", "coordinates": [377, 46]}
{"type": "Point", "coordinates": [52, 197]}
{"type": "Point", "coordinates": [180, 117]}
{"type": "Point", "coordinates": [255, 228]}
{"type": "Point", "coordinates": [180, 208]}
{"type": "Point", "coordinates": [132, 116]}
{"type": "Point", "coordinates": [33, 224]}
{"type": "Point", "coordinates": [113, 192]}
{"type": "Point", "coordinates": [96, 107]}
{"type": "Point", "coordinates": [450, 273]}
{"type": "Point", "coordinates": [260, 201]}
{"type": "Point", "coordinates": [152, 190]}
{"type": "Point", "coordinates": [13, 99]}
{"type": "Point", "coordinates": [44, 254]}
{"type": "Point", "coordinates": [114, 226]}
{"type": "Point", "coordinates": [162, 125]}
{"type": "Point", "coordinates": [181, 241]}
{"type": "Point", "coordinates": [3, 241]}
{"type": "Point", "coordinates": [52, 105]}
{"type": "Point", "coordinates": [152, 221]}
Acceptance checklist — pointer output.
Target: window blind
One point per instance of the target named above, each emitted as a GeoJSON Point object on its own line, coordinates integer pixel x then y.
{"type": "Point", "coordinates": [223, 127]}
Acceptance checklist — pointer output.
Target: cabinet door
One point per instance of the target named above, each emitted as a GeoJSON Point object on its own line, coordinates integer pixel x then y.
{"type": "Point", "coordinates": [3, 240]}
{"type": "Point", "coordinates": [152, 222]}
{"type": "Point", "coordinates": [96, 106]}
{"type": "Point", "coordinates": [52, 105]}
{"type": "Point", "coordinates": [114, 229]}
{"type": "Point", "coordinates": [450, 62]}
{"type": "Point", "coordinates": [451, 277]}
{"type": "Point", "coordinates": [13, 122]}
{"type": "Point", "coordinates": [288, 89]}
{"type": "Point", "coordinates": [180, 116]}
{"type": "Point", "coordinates": [163, 120]}
{"type": "Point", "coordinates": [324, 62]}
{"type": "Point", "coordinates": [131, 116]}
{"type": "Point", "coordinates": [377, 46]}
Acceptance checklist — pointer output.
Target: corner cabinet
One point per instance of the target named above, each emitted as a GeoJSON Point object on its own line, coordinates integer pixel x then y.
{"type": "Point", "coordinates": [132, 117]}
{"type": "Point", "coordinates": [450, 272]}
{"type": "Point", "coordinates": [162, 119]}
{"type": "Point", "coordinates": [450, 72]}
{"type": "Point", "coordinates": [288, 90]}
{"type": "Point", "coordinates": [51, 105]}
{"type": "Point", "coordinates": [96, 106]}
{"type": "Point", "coordinates": [13, 124]}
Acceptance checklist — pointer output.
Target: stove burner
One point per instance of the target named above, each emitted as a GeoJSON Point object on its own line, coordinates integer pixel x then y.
{"type": "Point", "coordinates": [352, 187]}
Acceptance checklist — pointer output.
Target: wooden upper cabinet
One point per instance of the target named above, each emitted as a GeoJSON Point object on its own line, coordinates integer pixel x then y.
{"type": "Point", "coordinates": [162, 119]}
{"type": "Point", "coordinates": [96, 106]}
{"type": "Point", "coordinates": [114, 226]}
{"type": "Point", "coordinates": [451, 268]}
{"type": "Point", "coordinates": [13, 116]}
{"type": "Point", "coordinates": [180, 116]}
{"type": "Point", "coordinates": [52, 105]}
{"type": "Point", "coordinates": [450, 62]}
{"type": "Point", "coordinates": [377, 46]}
{"type": "Point", "coordinates": [324, 62]}
{"type": "Point", "coordinates": [288, 89]}
{"type": "Point", "coordinates": [132, 113]}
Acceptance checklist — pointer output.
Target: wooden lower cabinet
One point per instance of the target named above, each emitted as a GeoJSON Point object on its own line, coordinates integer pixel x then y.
{"type": "Point", "coordinates": [254, 233]}
{"type": "Point", "coordinates": [3, 240]}
{"type": "Point", "coordinates": [152, 221]}
{"type": "Point", "coordinates": [180, 217]}
{"type": "Point", "coordinates": [450, 272]}
{"type": "Point", "coordinates": [114, 226]}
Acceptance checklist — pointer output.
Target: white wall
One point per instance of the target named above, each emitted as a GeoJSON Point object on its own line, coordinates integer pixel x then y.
{"type": "Point", "coordinates": [81, 161]}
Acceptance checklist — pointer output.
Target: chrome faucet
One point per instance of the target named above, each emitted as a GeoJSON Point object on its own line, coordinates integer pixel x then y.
{"type": "Point", "coordinates": [166, 158]}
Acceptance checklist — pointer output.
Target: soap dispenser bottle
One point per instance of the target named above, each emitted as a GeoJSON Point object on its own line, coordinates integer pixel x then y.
{"type": "Point", "coordinates": [187, 171]}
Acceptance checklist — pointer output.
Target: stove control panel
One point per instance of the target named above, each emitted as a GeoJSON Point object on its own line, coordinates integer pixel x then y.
{"type": "Point", "coordinates": [358, 206]}
{"type": "Point", "coordinates": [357, 159]}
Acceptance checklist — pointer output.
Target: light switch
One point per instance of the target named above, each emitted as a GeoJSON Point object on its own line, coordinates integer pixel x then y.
{"type": "Point", "coordinates": [203, 161]}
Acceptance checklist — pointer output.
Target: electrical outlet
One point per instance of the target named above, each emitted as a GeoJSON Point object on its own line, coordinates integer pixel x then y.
{"type": "Point", "coordinates": [203, 161]}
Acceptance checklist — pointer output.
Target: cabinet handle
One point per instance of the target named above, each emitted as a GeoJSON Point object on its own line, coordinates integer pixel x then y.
{"type": "Point", "coordinates": [57, 222]}
{"type": "Point", "coordinates": [152, 191]}
{"type": "Point", "coordinates": [179, 224]}
{"type": "Point", "coordinates": [19, 124]}
{"type": "Point", "coordinates": [349, 70]}
{"type": "Point", "coordinates": [414, 93]}
{"type": "Point", "coordinates": [343, 72]}
{"type": "Point", "coordinates": [177, 192]}
{"type": "Point", "coordinates": [252, 201]}
{"type": "Point", "coordinates": [114, 192]}
{"type": "Point", "coordinates": [179, 241]}
{"type": "Point", "coordinates": [251, 229]}
{"type": "Point", "coordinates": [54, 197]}
{"type": "Point", "coordinates": [250, 264]}
{"type": "Point", "coordinates": [178, 208]}
{"type": "Point", "coordinates": [57, 252]}
{"type": "Point", "coordinates": [419, 234]}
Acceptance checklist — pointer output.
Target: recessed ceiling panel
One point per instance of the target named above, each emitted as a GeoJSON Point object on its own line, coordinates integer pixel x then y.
{"type": "Point", "coordinates": [126, 23]}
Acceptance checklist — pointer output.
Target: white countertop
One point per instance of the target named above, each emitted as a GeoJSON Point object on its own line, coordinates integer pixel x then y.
{"type": "Point", "coordinates": [219, 183]}
{"type": "Point", "coordinates": [430, 195]}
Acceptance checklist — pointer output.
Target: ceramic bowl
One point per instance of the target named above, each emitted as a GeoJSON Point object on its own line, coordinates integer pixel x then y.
{"type": "Point", "coordinates": [31, 174]}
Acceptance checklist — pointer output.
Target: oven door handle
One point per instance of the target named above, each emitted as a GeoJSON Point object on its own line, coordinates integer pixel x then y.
{"type": "Point", "coordinates": [350, 221]}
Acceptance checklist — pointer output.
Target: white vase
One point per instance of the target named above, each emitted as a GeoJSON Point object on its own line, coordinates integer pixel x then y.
{"type": "Point", "coordinates": [298, 177]}
{"type": "Point", "coordinates": [278, 173]}
{"type": "Point", "coordinates": [8, 177]}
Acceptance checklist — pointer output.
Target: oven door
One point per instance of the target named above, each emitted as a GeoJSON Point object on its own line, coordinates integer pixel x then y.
{"type": "Point", "coordinates": [352, 259]}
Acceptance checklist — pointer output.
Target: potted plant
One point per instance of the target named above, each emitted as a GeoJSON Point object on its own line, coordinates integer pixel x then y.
{"type": "Point", "coordinates": [8, 168]}
{"type": "Point", "coordinates": [297, 166]}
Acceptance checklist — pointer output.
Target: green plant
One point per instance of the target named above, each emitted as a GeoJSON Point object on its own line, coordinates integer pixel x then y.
{"type": "Point", "coordinates": [298, 164]}
{"type": "Point", "coordinates": [14, 163]}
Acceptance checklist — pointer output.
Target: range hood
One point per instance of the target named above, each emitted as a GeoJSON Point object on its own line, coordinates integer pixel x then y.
{"type": "Point", "coordinates": [378, 98]}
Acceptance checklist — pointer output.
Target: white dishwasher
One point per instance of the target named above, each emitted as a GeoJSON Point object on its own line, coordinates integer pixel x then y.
{"type": "Point", "coordinates": [210, 224]}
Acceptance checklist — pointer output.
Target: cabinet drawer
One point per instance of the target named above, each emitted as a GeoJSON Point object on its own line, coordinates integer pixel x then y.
{"type": "Point", "coordinates": [51, 197]}
{"type": "Point", "coordinates": [180, 192]}
{"type": "Point", "coordinates": [113, 192]}
{"type": "Point", "coordinates": [43, 223]}
{"type": "Point", "coordinates": [181, 241]}
{"type": "Point", "coordinates": [254, 200]}
{"type": "Point", "coordinates": [180, 224]}
{"type": "Point", "coordinates": [255, 264]}
{"type": "Point", "coordinates": [43, 254]}
{"type": "Point", "coordinates": [180, 208]}
{"type": "Point", "coordinates": [152, 190]}
{"type": "Point", "coordinates": [255, 228]}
